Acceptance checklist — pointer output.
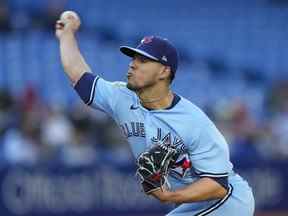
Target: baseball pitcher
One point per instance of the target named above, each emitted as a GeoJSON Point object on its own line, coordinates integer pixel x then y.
{"type": "Point", "coordinates": [182, 158]}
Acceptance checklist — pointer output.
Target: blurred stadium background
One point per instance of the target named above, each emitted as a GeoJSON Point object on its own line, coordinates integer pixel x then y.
{"type": "Point", "coordinates": [57, 157]}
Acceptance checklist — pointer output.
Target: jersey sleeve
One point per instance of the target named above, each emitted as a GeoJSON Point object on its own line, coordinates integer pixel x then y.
{"type": "Point", "coordinates": [99, 93]}
{"type": "Point", "coordinates": [209, 153]}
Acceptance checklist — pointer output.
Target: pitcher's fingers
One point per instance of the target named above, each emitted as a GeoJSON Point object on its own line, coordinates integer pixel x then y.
{"type": "Point", "coordinates": [59, 25]}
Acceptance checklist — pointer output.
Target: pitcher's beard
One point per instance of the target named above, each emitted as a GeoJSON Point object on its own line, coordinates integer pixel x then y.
{"type": "Point", "coordinates": [139, 89]}
{"type": "Point", "coordinates": [132, 87]}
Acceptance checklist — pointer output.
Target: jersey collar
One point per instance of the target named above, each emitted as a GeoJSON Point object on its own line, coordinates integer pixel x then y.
{"type": "Point", "coordinates": [176, 99]}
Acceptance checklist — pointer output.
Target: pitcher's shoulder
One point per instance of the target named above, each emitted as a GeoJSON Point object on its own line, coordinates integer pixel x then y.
{"type": "Point", "coordinates": [122, 86]}
{"type": "Point", "coordinates": [191, 109]}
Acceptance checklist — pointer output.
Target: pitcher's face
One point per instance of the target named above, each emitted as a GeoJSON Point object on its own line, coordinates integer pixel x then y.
{"type": "Point", "coordinates": [143, 72]}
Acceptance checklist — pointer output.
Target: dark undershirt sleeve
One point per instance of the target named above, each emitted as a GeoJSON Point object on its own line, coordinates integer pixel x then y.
{"type": "Point", "coordinates": [85, 87]}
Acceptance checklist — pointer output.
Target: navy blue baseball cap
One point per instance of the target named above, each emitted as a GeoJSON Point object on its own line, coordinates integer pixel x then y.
{"type": "Point", "coordinates": [155, 48]}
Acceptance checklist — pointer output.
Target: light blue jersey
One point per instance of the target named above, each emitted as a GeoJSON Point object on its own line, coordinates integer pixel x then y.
{"type": "Point", "coordinates": [204, 149]}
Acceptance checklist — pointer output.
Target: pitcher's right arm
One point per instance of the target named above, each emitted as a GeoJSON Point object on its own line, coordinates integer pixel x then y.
{"type": "Point", "coordinates": [93, 90]}
{"type": "Point", "coordinates": [72, 60]}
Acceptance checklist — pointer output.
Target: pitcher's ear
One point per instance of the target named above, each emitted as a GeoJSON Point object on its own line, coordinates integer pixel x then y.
{"type": "Point", "coordinates": [165, 73]}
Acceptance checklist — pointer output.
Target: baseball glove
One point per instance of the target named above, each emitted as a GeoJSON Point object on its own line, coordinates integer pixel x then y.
{"type": "Point", "coordinates": [154, 165]}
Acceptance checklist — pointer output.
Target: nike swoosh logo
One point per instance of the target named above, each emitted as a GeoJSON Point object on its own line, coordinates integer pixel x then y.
{"type": "Point", "coordinates": [132, 107]}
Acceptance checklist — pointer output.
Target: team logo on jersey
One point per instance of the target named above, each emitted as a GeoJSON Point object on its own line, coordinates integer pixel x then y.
{"type": "Point", "coordinates": [183, 163]}
{"type": "Point", "coordinates": [182, 166]}
{"type": "Point", "coordinates": [168, 139]}
{"type": "Point", "coordinates": [130, 129]}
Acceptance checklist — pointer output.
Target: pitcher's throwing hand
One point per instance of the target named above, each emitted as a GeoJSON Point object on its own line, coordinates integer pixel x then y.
{"type": "Point", "coordinates": [69, 22]}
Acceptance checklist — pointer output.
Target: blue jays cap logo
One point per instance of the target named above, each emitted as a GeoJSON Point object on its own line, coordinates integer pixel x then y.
{"type": "Point", "coordinates": [147, 39]}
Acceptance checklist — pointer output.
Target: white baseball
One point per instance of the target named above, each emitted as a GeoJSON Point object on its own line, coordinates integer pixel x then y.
{"type": "Point", "coordinates": [64, 16]}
